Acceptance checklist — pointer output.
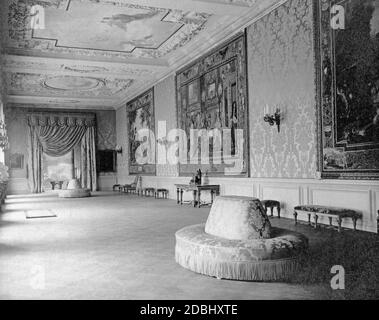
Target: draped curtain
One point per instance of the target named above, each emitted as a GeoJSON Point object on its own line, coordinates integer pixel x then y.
{"type": "Point", "coordinates": [57, 135]}
{"type": "Point", "coordinates": [85, 161]}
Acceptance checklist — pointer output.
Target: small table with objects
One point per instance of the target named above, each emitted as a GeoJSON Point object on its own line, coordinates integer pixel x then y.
{"type": "Point", "coordinates": [196, 190]}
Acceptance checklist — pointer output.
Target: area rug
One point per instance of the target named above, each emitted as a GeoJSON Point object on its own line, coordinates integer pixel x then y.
{"type": "Point", "coordinates": [35, 214]}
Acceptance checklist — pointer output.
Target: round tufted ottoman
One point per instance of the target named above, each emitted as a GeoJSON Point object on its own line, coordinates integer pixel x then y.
{"type": "Point", "coordinates": [262, 252]}
{"type": "Point", "coordinates": [74, 191]}
{"type": "Point", "coordinates": [255, 260]}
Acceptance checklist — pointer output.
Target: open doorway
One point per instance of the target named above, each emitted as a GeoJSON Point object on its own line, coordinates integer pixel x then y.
{"type": "Point", "coordinates": [56, 170]}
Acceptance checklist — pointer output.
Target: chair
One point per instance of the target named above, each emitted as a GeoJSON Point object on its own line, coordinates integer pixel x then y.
{"type": "Point", "coordinates": [271, 204]}
{"type": "Point", "coordinates": [133, 186]}
{"type": "Point", "coordinates": [161, 192]}
{"type": "Point", "coordinates": [116, 186]}
{"type": "Point", "coordinates": [148, 191]}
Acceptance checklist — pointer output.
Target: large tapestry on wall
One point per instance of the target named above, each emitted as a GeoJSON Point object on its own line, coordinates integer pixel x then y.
{"type": "Point", "coordinates": [212, 103]}
{"type": "Point", "coordinates": [349, 72]}
{"type": "Point", "coordinates": [142, 134]}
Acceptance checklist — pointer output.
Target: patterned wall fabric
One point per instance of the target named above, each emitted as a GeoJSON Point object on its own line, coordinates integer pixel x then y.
{"type": "Point", "coordinates": [106, 130]}
{"type": "Point", "coordinates": [165, 110]}
{"type": "Point", "coordinates": [281, 73]}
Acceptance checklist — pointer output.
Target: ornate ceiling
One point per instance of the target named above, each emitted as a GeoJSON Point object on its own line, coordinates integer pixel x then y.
{"type": "Point", "coordinates": [102, 53]}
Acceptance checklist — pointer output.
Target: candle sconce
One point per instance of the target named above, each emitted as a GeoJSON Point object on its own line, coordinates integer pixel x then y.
{"type": "Point", "coordinates": [273, 119]}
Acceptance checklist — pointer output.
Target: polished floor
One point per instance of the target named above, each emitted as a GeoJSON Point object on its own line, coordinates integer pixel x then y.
{"type": "Point", "coordinates": [110, 246]}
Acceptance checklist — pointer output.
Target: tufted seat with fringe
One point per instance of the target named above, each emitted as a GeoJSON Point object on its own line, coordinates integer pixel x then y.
{"type": "Point", "coordinates": [73, 190]}
{"type": "Point", "coordinates": [242, 247]}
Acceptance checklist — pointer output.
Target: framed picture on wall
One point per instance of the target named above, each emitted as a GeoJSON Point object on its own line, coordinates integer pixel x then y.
{"type": "Point", "coordinates": [16, 161]}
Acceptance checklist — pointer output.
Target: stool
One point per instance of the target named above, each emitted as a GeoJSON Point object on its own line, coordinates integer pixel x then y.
{"type": "Point", "coordinates": [148, 192]}
{"type": "Point", "coordinates": [163, 192]}
{"type": "Point", "coordinates": [116, 186]}
{"type": "Point", "coordinates": [271, 204]}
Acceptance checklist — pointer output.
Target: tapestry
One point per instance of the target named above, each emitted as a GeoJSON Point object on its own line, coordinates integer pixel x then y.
{"type": "Point", "coordinates": [212, 94]}
{"type": "Point", "coordinates": [142, 134]}
{"type": "Point", "coordinates": [349, 89]}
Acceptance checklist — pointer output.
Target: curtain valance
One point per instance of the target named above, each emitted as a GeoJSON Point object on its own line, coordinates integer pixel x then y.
{"type": "Point", "coordinates": [61, 120]}
{"type": "Point", "coordinates": [58, 134]}
{"type": "Point", "coordinates": [55, 140]}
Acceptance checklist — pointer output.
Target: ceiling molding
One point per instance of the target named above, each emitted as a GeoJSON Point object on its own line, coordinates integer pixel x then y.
{"type": "Point", "coordinates": [60, 102]}
{"type": "Point", "coordinates": [57, 106]}
{"type": "Point", "coordinates": [201, 47]}
{"type": "Point", "coordinates": [102, 76]}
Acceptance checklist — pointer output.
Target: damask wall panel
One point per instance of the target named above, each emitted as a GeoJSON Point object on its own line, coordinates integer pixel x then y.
{"type": "Point", "coordinates": [106, 130]}
{"type": "Point", "coordinates": [281, 74]}
{"type": "Point", "coordinates": [165, 111]}
{"type": "Point", "coordinates": [123, 141]}
{"type": "Point", "coordinates": [18, 132]}
{"type": "Point", "coordinates": [2, 75]}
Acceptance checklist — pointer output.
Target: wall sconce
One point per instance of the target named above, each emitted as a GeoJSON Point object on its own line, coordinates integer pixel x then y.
{"type": "Point", "coordinates": [274, 118]}
{"type": "Point", "coordinates": [118, 149]}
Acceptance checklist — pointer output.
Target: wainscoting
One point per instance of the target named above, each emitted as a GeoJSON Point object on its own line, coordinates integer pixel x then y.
{"type": "Point", "coordinates": [360, 195]}
{"type": "Point", "coordinates": [106, 181]}
{"type": "Point", "coordinates": [21, 185]}
{"type": "Point", "coordinates": [18, 186]}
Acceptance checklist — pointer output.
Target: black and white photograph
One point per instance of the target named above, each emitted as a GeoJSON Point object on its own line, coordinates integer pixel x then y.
{"type": "Point", "coordinates": [203, 153]}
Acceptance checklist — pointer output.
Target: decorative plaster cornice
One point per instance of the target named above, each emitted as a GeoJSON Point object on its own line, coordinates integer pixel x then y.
{"type": "Point", "coordinates": [20, 34]}
{"type": "Point", "coordinates": [145, 72]}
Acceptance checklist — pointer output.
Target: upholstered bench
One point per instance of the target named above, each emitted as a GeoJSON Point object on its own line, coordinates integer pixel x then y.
{"type": "Point", "coordinates": [238, 242]}
{"type": "Point", "coordinates": [330, 212]}
{"type": "Point", "coordinates": [272, 204]}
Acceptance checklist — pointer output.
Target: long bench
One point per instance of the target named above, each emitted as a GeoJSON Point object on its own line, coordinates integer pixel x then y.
{"type": "Point", "coordinates": [330, 212]}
